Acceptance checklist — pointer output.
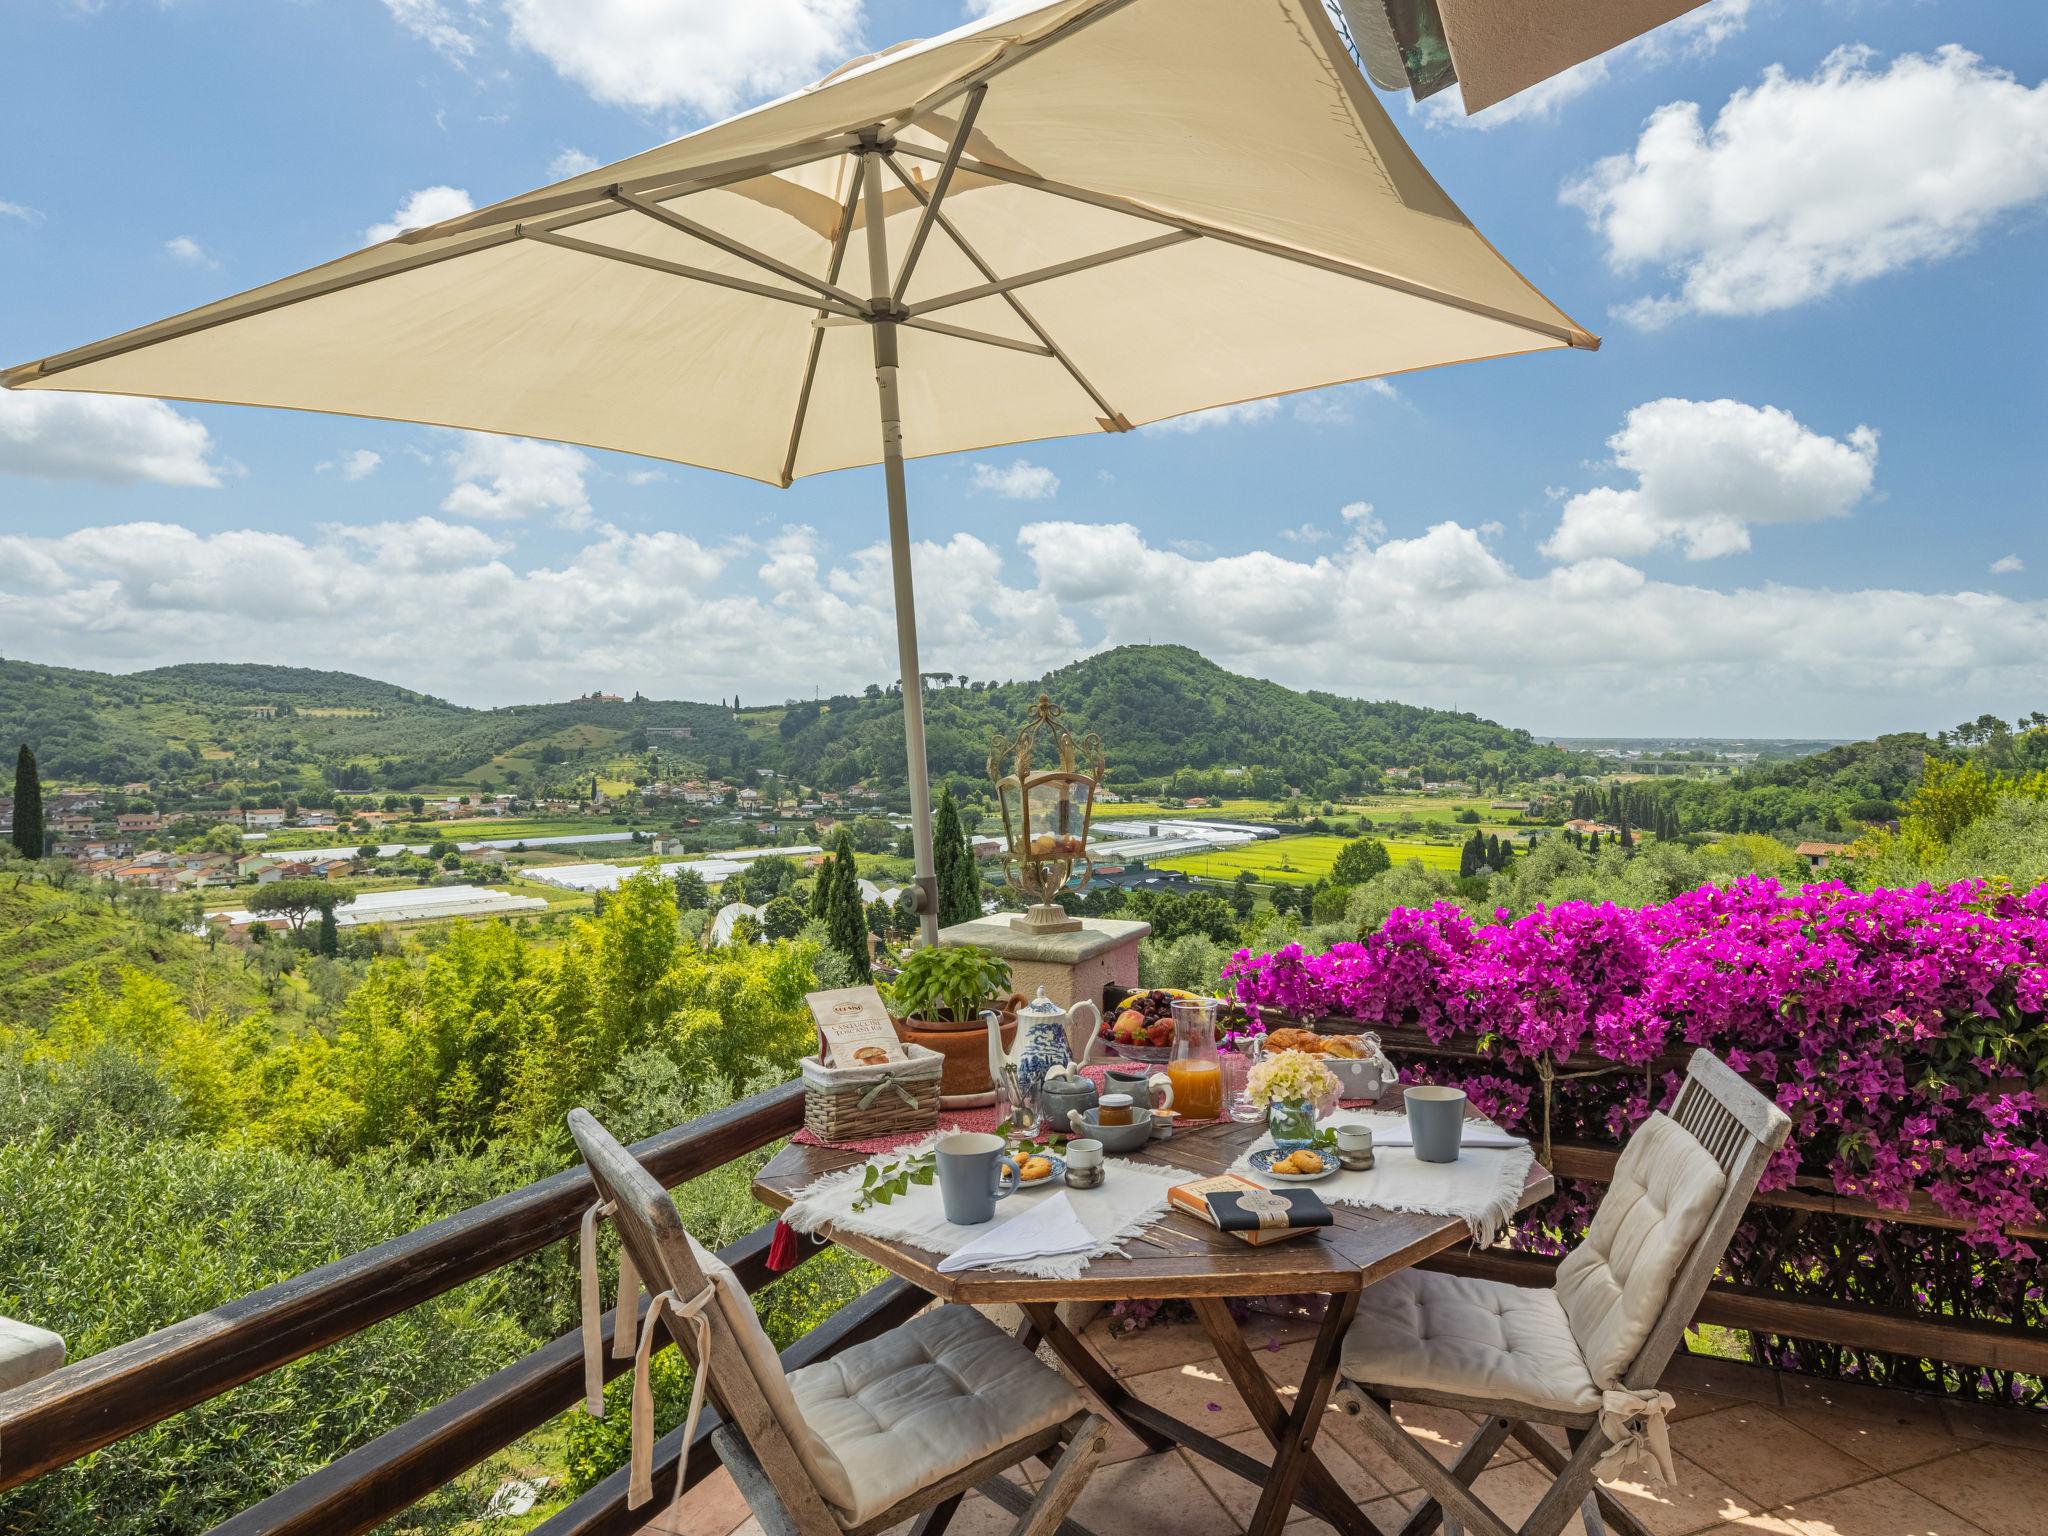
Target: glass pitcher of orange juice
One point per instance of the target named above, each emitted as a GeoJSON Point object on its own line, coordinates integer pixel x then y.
{"type": "Point", "coordinates": [1193, 1069]}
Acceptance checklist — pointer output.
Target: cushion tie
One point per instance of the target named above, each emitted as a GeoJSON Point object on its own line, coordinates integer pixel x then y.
{"type": "Point", "coordinates": [640, 1485]}
{"type": "Point", "coordinates": [593, 1307]}
{"type": "Point", "coordinates": [1634, 1421]}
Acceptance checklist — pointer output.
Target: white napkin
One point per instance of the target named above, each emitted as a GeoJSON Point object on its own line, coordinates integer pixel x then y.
{"type": "Point", "coordinates": [1041, 1230]}
{"type": "Point", "coordinates": [1396, 1132]}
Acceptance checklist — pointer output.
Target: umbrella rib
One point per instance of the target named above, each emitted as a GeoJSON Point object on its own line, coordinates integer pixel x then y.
{"type": "Point", "coordinates": [678, 269]}
{"type": "Point", "coordinates": [1570, 336]}
{"type": "Point", "coordinates": [689, 226]}
{"type": "Point", "coordinates": [703, 178]}
{"type": "Point", "coordinates": [951, 163]}
{"type": "Point", "coordinates": [987, 338]}
{"type": "Point", "coordinates": [1057, 269]}
{"type": "Point", "coordinates": [1111, 418]}
{"type": "Point", "coordinates": [840, 237]}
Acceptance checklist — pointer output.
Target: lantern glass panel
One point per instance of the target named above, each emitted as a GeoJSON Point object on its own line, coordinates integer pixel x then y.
{"type": "Point", "coordinates": [1012, 796]}
{"type": "Point", "coordinates": [1059, 816]}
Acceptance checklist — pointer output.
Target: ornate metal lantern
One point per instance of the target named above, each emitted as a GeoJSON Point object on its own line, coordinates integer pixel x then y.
{"type": "Point", "coordinates": [1046, 813]}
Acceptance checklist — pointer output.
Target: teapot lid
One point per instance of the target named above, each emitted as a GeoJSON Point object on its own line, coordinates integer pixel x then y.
{"type": "Point", "coordinates": [1042, 1005]}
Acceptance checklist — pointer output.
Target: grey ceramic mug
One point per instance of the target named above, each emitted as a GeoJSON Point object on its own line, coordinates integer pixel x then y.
{"type": "Point", "coordinates": [1437, 1117]}
{"type": "Point", "coordinates": [971, 1166]}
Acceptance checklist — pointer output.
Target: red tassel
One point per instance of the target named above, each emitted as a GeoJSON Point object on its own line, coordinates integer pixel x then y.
{"type": "Point", "coordinates": [781, 1248]}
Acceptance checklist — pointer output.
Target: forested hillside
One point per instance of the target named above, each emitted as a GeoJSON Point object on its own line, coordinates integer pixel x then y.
{"type": "Point", "coordinates": [1159, 709]}
{"type": "Point", "coordinates": [1162, 709]}
{"type": "Point", "coordinates": [100, 728]}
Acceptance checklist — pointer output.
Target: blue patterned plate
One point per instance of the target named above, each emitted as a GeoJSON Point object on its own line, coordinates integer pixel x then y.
{"type": "Point", "coordinates": [1059, 1170]}
{"type": "Point", "coordinates": [1263, 1160]}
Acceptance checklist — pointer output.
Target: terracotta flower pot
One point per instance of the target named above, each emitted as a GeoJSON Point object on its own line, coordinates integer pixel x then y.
{"type": "Point", "coordinates": [965, 1047]}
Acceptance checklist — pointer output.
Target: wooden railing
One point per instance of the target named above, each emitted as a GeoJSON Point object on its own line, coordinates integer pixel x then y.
{"type": "Point", "coordinates": [101, 1399]}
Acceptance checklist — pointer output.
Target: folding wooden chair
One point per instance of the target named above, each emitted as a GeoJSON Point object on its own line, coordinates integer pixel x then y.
{"type": "Point", "coordinates": [900, 1425]}
{"type": "Point", "coordinates": [1586, 1355]}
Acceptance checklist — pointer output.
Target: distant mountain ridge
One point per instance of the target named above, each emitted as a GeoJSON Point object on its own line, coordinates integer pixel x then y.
{"type": "Point", "coordinates": [1158, 708]}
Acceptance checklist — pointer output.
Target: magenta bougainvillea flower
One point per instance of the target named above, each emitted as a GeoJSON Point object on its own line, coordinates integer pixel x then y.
{"type": "Point", "coordinates": [1905, 1031]}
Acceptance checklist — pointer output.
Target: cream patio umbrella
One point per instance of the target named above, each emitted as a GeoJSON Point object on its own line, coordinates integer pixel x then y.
{"type": "Point", "coordinates": [1100, 213]}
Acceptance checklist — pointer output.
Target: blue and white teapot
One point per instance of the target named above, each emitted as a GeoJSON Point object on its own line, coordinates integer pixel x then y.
{"type": "Point", "coordinates": [1046, 1040]}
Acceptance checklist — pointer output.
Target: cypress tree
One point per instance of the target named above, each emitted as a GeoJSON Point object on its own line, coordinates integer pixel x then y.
{"type": "Point", "coordinates": [959, 881]}
{"type": "Point", "coordinates": [328, 940]}
{"type": "Point", "coordinates": [845, 924]}
{"type": "Point", "coordinates": [28, 806]}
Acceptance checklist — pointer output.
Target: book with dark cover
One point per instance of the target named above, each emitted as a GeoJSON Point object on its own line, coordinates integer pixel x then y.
{"type": "Point", "coordinates": [1199, 1197]}
{"type": "Point", "coordinates": [1267, 1210]}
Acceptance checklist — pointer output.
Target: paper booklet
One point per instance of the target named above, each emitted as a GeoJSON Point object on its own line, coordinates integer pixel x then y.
{"type": "Point", "coordinates": [854, 1029]}
{"type": "Point", "coordinates": [1235, 1204]}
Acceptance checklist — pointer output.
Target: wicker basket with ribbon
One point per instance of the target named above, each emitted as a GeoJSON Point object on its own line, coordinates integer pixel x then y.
{"type": "Point", "coordinates": [857, 1103]}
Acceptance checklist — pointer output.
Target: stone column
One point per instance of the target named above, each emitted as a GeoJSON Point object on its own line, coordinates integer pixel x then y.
{"type": "Point", "coordinates": [1072, 967]}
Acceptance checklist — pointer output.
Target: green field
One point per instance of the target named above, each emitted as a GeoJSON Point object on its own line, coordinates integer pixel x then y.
{"type": "Point", "coordinates": [1297, 860]}
{"type": "Point", "coordinates": [1379, 809]}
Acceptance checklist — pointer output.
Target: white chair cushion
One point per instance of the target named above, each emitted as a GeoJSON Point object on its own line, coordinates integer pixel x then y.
{"type": "Point", "coordinates": [900, 1412]}
{"type": "Point", "coordinates": [1451, 1333]}
{"type": "Point", "coordinates": [1614, 1284]}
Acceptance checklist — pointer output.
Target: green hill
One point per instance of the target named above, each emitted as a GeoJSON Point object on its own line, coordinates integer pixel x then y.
{"type": "Point", "coordinates": [1160, 710]}
{"type": "Point", "coordinates": [257, 722]}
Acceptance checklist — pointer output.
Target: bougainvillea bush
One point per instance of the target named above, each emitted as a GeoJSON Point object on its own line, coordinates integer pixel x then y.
{"type": "Point", "coordinates": [1905, 1032]}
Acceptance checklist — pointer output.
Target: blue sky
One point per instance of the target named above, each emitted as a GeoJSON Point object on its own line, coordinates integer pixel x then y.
{"type": "Point", "coordinates": [1798, 491]}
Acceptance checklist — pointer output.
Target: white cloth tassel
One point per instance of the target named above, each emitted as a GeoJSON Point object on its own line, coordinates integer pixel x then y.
{"type": "Point", "coordinates": [1634, 1421]}
{"type": "Point", "coordinates": [629, 1304]}
{"type": "Point", "coordinates": [593, 1309]}
{"type": "Point", "coordinates": [640, 1481]}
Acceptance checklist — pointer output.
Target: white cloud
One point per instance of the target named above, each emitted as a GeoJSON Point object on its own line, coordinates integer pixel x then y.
{"type": "Point", "coordinates": [115, 439]}
{"type": "Point", "coordinates": [448, 29]}
{"type": "Point", "coordinates": [1250, 413]}
{"type": "Point", "coordinates": [709, 59]}
{"type": "Point", "coordinates": [1438, 618]}
{"type": "Point", "coordinates": [20, 211]}
{"type": "Point", "coordinates": [1365, 523]}
{"type": "Point", "coordinates": [429, 205]}
{"type": "Point", "coordinates": [1691, 35]}
{"type": "Point", "coordinates": [2008, 565]}
{"type": "Point", "coordinates": [1706, 472]}
{"type": "Point", "coordinates": [1019, 480]}
{"type": "Point", "coordinates": [503, 479]}
{"type": "Point", "coordinates": [1306, 533]}
{"type": "Point", "coordinates": [1894, 168]}
{"type": "Point", "coordinates": [439, 605]}
{"type": "Point", "coordinates": [426, 544]}
{"type": "Point", "coordinates": [570, 162]}
{"type": "Point", "coordinates": [357, 465]}
{"type": "Point", "coordinates": [189, 252]}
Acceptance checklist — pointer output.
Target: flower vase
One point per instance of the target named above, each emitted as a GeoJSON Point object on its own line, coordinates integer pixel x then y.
{"type": "Point", "coordinates": [1291, 1123]}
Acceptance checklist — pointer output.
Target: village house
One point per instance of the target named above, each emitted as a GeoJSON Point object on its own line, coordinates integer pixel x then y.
{"type": "Point", "coordinates": [1587, 828]}
{"type": "Point", "coordinates": [139, 821]}
{"type": "Point", "coordinates": [263, 819]}
{"type": "Point", "coordinates": [73, 821]}
{"type": "Point", "coordinates": [1818, 854]}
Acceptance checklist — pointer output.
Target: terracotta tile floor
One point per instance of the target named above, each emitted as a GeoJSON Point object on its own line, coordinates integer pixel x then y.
{"type": "Point", "coordinates": [1756, 1454]}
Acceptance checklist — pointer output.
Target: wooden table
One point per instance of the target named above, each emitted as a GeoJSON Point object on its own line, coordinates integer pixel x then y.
{"type": "Point", "coordinates": [1183, 1257]}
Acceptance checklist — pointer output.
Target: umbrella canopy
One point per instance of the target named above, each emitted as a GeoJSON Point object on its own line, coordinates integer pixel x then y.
{"type": "Point", "coordinates": [1100, 213]}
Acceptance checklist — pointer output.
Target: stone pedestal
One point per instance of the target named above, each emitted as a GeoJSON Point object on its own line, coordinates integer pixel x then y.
{"type": "Point", "coordinates": [1072, 967]}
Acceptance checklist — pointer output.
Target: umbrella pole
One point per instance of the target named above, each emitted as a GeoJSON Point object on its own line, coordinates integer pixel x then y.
{"type": "Point", "coordinates": [884, 328]}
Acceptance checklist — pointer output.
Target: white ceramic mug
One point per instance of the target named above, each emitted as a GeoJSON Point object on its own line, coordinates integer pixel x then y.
{"type": "Point", "coordinates": [1084, 1152]}
{"type": "Point", "coordinates": [1354, 1136]}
